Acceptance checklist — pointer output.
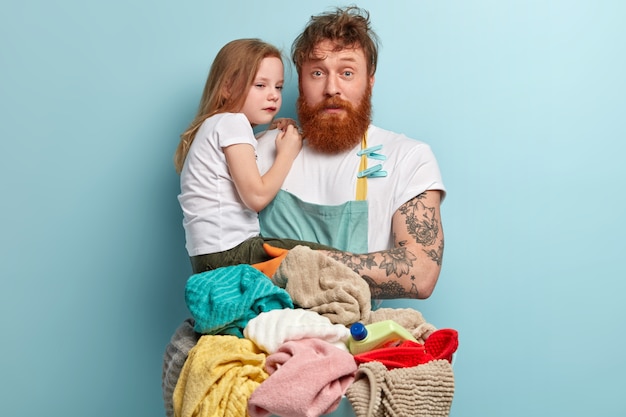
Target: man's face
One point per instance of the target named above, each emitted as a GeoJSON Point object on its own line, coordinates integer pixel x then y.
{"type": "Point", "coordinates": [340, 74]}
{"type": "Point", "coordinates": [334, 106]}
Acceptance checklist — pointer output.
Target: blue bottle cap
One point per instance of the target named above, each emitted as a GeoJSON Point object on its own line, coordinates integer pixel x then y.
{"type": "Point", "coordinates": [358, 331]}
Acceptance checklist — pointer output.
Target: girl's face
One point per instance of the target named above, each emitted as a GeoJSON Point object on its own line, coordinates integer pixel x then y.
{"type": "Point", "coordinates": [265, 94]}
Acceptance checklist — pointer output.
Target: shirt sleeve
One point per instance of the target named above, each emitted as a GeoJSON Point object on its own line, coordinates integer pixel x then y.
{"type": "Point", "coordinates": [233, 129]}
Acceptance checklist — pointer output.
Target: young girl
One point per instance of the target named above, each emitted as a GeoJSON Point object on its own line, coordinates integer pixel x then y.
{"type": "Point", "coordinates": [221, 187]}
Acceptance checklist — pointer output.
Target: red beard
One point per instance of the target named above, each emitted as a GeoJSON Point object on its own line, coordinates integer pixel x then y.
{"type": "Point", "coordinates": [332, 133]}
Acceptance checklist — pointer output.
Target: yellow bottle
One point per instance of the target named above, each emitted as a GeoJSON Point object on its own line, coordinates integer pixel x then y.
{"type": "Point", "coordinates": [386, 333]}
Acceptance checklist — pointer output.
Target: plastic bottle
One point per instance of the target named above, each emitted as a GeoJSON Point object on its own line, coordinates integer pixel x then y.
{"type": "Point", "coordinates": [386, 333]}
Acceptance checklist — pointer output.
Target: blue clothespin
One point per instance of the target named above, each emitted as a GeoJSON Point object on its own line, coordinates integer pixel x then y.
{"type": "Point", "coordinates": [372, 172]}
{"type": "Point", "coordinates": [371, 152]}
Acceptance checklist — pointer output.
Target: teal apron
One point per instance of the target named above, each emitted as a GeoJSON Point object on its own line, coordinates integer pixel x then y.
{"type": "Point", "coordinates": [343, 226]}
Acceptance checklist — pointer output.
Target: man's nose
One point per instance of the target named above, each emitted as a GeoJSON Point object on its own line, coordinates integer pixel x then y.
{"type": "Point", "coordinates": [331, 87]}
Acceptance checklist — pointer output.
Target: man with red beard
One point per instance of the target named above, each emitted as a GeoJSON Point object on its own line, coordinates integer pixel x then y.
{"type": "Point", "coordinates": [372, 193]}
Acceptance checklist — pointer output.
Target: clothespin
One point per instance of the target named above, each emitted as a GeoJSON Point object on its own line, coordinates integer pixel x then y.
{"type": "Point", "coordinates": [372, 172]}
{"type": "Point", "coordinates": [371, 152]}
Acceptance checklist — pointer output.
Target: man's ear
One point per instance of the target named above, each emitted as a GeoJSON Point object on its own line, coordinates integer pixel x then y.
{"type": "Point", "coordinates": [372, 80]}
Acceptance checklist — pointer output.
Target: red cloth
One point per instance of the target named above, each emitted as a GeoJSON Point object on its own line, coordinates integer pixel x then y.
{"type": "Point", "coordinates": [441, 344]}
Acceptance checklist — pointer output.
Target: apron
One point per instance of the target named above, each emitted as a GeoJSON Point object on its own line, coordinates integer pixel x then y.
{"type": "Point", "coordinates": [343, 226]}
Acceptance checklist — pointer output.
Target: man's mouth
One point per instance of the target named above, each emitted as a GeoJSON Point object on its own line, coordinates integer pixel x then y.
{"type": "Point", "coordinates": [333, 109]}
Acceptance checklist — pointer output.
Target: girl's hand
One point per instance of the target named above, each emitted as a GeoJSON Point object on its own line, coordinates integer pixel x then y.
{"type": "Point", "coordinates": [289, 141]}
{"type": "Point", "coordinates": [282, 123]}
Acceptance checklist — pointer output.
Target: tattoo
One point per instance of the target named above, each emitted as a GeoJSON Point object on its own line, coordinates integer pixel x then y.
{"type": "Point", "coordinates": [436, 254]}
{"type": "Point", "coordinates": [421, 221]}
{"type": "Point", "coordinates": [355, 262]}
{"type": "Point", "coordinates": [397, 261]}
{"type": "Point", "coordinates": [390, 289]}
{"type": "Point", "coordinates": [424, 227]}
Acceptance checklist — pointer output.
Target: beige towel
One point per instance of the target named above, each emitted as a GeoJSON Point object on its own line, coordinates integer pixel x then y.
{"type": "Point", "coordinates": [421, 391]}
{"type": "Point", "coordinates": [410, 319]}
{"type": "Point", "coordinates": [319, 283]}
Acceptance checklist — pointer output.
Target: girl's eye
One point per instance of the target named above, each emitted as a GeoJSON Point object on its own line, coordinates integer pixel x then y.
{"type": "Point", "coordinates": [279, 87]}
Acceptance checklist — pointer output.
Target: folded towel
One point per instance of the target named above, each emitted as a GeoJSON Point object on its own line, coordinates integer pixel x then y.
{"type": "Point", "coordinates": [223, 300]}
{"type": "Point", "coordinates": [307, 378]}
{"type": "Point", "coordinates": [176, 352]}
{"type": "Point", "coordinates": [218, 377]}
{"type": "Point", "coordinates": [270, 329]}
{"type": "Point", "coordinates": [420, 391]}
{"type": "Point", "coordinates": [319, 283]}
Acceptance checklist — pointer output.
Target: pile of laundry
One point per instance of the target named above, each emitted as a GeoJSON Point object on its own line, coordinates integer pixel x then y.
{"type": "Point", "coordinates": [257, 347]}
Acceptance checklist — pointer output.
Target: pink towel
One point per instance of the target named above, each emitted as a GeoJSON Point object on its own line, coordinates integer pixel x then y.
{"type": "Point", "coordinates": [307, 378]}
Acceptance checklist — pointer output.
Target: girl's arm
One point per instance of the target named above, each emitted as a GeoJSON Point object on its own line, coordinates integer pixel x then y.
{"type": "Point", "coordinates": [256, 190]}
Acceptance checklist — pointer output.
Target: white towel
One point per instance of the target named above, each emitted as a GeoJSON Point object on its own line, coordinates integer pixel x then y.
{"type": "Point", "coordinates": [270, 329]}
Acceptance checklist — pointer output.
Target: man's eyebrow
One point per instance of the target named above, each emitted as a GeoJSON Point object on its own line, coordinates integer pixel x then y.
{"type": "Point", "coordinates": [319, 58]}
{"type": "Point", "coordinates": [348, 58]}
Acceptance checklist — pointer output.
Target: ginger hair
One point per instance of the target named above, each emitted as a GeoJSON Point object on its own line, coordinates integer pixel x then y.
{"type": "Point", "coordinates": [230, 77]}
{"type": "Point", "coordinates": [346, 27]}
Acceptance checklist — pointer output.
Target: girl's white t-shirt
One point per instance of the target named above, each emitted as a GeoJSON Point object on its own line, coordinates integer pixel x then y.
{"type": "Point", "coordinates": [215, 218]}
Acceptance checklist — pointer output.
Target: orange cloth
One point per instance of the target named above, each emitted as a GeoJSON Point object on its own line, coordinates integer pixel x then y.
{"type": "Point", "coordinates": [269, 267]}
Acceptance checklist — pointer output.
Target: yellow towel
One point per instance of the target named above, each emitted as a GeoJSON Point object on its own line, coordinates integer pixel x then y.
{"type": "Point", "coordinates": [218, 377]}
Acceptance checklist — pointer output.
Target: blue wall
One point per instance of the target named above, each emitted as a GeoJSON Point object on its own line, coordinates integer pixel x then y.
{"type": "Point", "coordinates": [522, 101]}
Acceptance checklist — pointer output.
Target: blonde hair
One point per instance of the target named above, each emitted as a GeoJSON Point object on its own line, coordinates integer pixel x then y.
{"type": "Point", "coordinates": [230, 77]}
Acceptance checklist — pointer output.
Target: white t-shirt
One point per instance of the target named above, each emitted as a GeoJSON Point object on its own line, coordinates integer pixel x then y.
{"type": "Point", "coordinates": [214, 216]}
{"type": "Point", "coordinates": [331, 179]}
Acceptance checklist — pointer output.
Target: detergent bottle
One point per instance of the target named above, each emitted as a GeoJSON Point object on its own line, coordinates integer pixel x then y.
{"type": "Point", "coordinates": [386, 333]}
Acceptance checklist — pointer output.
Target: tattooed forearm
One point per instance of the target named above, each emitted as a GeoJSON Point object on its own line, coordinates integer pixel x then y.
{"type": "Point", "coordinates": [390, 289]}
{"type": "Point", "coordinates": [411, 267]}
{"type": "Point", "coordinates": [393, 264]}
{"type": "Point", "coordinates": [355, 262]}
{"type": "Point", "coordinates": [397, 261]}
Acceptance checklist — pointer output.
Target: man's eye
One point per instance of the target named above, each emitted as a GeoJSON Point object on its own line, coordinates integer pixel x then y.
{"type": "Point", "coordinates": [348, 73]}
{"type": "Point", "coordinates": [317, 73]}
